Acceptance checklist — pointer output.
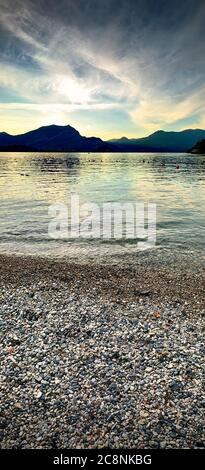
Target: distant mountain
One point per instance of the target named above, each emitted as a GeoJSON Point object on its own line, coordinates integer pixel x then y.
{"type": "Point", "coordinates": [52, 139]}
{"type": "Point", "coordinates": [5, 139]}
{"type": "Point", "coordinates": [160, 141]}
{"type": "Point", "coordinates": [199, 147]}
{"type": "Point", "coordinates": [67, 139]}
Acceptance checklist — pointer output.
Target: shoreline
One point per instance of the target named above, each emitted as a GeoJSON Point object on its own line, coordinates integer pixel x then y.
{"type": "Point", "coordinates": [100, 356]}
{"type": "Point", "coordinates": [113, 281]}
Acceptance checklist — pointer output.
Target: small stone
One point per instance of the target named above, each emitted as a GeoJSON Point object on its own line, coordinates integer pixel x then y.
{"type": "Point", "coordinates": [175, 386]}
{"type": "Point", "coordinates": [143, 293]}
{"type": "Point", "coordinates": [37, 393]}
{"type": "Point", "coordinates": [18, 406]}
{"type": "Point", "coordinates": [144, 414]}
{"type": "Point", "coordinates": [163, 444]}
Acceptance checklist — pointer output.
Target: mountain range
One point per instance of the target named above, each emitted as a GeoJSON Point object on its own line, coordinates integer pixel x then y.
{"type": "Point", "coordinates": [55, 138]}
{"type": "Point", "coordinates": [161, 141]}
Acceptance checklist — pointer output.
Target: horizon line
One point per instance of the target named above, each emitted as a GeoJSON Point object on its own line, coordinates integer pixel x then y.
{"type": "Point", "coordinates": [110, 139]}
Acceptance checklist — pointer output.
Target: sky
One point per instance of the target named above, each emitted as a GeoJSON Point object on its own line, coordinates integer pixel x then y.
{"type": "Point", "coordinates": [109, 68]}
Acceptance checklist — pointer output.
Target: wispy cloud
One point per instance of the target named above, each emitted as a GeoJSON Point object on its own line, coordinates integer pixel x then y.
{"type": "Point", "coordinates": [145, 58]}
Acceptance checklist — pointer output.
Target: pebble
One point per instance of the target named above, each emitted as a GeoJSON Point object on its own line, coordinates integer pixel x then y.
{"type": "Point", "coordinates": [37, 394]}
{"type": "Point", "coordinates": [86, 369]}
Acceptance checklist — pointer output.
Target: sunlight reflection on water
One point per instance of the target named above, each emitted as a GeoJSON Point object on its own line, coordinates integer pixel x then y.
{"type": "Point", "coordinates": [29, 183]}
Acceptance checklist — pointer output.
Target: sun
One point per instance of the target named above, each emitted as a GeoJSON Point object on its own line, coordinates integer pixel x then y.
{"type": "Point", "coordinates": [72, 90]}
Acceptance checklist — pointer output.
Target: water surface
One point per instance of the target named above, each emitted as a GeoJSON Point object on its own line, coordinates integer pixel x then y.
{"type": "Point", "coordinates": [31, 182]}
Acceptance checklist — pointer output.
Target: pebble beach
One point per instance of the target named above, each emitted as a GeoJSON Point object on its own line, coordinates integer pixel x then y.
{"type": "Point", "coordinates": [101, 356]}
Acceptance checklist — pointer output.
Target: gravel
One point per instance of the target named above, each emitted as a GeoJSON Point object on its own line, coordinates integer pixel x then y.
{"type": "Point", "coordinates": [98, 357]}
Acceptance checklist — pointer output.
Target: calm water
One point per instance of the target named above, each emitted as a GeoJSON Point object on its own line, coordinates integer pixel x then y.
{"type": "Point", "coordinates": [29, 183]}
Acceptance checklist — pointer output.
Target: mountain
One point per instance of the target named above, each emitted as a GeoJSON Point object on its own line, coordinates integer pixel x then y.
{"type": "Point", "coordinates": [67, 139]}
{"type": "Point", "coordinates": [199, 147]}
{"type": "Point", "coordinates": [52, 139]}
{"type": "Point", "coordinates": [160, 141]}
{"type": "Point", "coordinates": [5, 139]}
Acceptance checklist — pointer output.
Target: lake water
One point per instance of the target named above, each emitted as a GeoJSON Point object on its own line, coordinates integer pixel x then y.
{"type": "Point", "coordinates": [31, 182]}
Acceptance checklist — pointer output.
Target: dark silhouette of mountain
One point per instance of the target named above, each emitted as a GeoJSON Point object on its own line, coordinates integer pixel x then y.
{"type": "Point", "coordinates": [160, 141]}
{"type": "Point", "coordinates": [17, 148]}
{"type": "Point", "coordinates": [5, 139]}
{"type": "Point", "coordinates": [52, 139]}
{"type": "Point", "coordinates": [199, 147]}
{"type": "Point", "coordinates": [67, 139]}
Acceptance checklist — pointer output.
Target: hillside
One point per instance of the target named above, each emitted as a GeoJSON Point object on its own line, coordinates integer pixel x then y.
{"type": "Point", "coordinates": [161, 141]}
{"type": "Point", "coordinates": [199, 148]}
{"type": "Point", "coordinates": [52, 139]}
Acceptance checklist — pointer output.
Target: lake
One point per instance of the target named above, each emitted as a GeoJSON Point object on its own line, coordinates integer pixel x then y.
{"type": "Point", "coordinates": [31, 182]}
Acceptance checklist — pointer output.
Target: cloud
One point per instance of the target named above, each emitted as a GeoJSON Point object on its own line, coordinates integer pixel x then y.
{"type": "Point", "coordinates": [145, 57]}
{"type": "Point", "coordinates": [165, 111]}
{"type": "Point", "coordinates": [54, 107]}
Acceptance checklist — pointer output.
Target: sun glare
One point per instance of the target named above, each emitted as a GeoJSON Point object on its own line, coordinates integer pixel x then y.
{"type": "Point", "coordinates": [74, 91]}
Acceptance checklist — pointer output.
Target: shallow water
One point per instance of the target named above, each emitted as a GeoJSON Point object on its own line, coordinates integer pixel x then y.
{"type": "Point", "coordinates": [31, 182]}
